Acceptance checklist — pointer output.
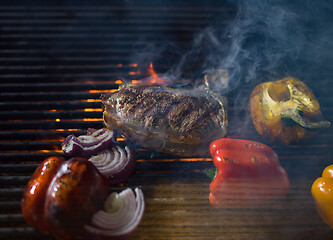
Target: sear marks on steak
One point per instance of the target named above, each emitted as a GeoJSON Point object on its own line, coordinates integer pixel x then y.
{"type": "Point", "coordinates": [174, 121]}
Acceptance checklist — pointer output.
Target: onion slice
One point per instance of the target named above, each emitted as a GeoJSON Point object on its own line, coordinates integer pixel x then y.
{"type": "Point", "coordinates": [91, 143]}
{"type": "Point", "coordinates": [122, 214]}
{"type": "Point", "coordinates": [117, 163]}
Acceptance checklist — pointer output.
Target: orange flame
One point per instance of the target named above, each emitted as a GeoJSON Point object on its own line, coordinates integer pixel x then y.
{"type": "Point", "coordinates": [153, 78]}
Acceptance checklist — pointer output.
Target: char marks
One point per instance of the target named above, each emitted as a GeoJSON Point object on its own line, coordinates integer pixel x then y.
{"type": "Point", "coordinates": [158, 115]}
{"type": "Point", "coordinates": [156, 107]}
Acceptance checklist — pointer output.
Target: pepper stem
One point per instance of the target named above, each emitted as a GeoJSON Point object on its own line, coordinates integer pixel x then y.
{"type": "Point", "coordinates": [296, 116]}
{"type": "Point", "coordinates": [211, 173]}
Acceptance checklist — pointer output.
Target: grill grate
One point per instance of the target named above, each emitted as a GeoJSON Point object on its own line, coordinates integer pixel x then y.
{"type": "Point", "coordinates": [56, 61]}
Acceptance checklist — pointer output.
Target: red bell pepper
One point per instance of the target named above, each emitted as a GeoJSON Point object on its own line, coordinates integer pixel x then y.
{"type": "Point", "coordinates": [61, 196]}
{"type": "Point", "coordinates": [248, 174]}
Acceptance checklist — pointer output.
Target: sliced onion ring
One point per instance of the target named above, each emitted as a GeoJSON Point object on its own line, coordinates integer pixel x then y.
{"type": "Point", "coordinates": [91, 143]}
{"type": "Point", "coordinates": [122, 214]}
{"type": "Point", "coordinates": [117, 163]}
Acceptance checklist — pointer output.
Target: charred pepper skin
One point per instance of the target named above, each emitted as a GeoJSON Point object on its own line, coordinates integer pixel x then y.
{"type": "Point", "coordinates": [285, 111]}
{"type": "Point", "coordinates": [61, 196]}
{"type": "Point", "coordinates": [322, 192]}
{"type": "Point", "coordinates": [248, 174]}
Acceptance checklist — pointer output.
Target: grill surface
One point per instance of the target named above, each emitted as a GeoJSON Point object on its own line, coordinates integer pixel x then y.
{"type": "Point", "coordinates": [56, 61]}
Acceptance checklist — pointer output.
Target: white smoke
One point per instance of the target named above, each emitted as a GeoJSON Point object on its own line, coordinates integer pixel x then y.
{"type": "Point", "coordinates": [271, 39]}
{"type": "Point", "coordinates": [266, 40]}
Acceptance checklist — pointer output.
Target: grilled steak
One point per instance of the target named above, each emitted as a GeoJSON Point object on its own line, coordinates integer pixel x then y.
{"type": "Point", "coordinates": [179, 122]}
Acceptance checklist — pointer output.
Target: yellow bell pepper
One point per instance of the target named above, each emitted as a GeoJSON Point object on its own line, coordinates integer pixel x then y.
{"type": "Point", "coordinates": [285, 111]}
{"type": "Point", "coordinates": [322, 192]}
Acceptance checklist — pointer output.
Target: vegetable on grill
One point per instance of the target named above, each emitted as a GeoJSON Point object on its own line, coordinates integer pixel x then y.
{"type": "Point", "coordinates": [322, 192]}
{"type": "Point", "coordinates": [61, 196]}
{"type": "Point", "coordinates": [285, 111]}
{"type": "Point", "coordinates": [247, 174]}
{"type": "Point", "coordinates": [121, 215]}
{"type": "Point", "coordinates": [114, 162]}
{"type": "Point", "coordinates": [95, 141]}
{"type": "Point", "coordinates": [117, 163]}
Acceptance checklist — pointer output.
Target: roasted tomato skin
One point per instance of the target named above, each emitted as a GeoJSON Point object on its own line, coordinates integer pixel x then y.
{"type": "Point", "coordinates": [36, 190]}
{"type": "Point", "coordinates": [62, 195]}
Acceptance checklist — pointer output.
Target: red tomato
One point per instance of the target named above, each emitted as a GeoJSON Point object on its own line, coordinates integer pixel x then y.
{"type": "Point", "coordinates": [61, 196]}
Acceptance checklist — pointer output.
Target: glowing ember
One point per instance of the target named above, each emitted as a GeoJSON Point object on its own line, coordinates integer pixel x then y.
{"type": "Point", "coordinates": [92, 119]}
{"type": "Point", "coordinates": [103, 91]}
{"type": "Point", "coordinates": [69, 129]}
{"type": "Point", "coordinates": [93, 109]}
{"type": "Point", "coordinates": [48, 151]}
{"type": "Point", "coordinates": [136, 81]}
